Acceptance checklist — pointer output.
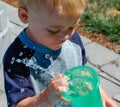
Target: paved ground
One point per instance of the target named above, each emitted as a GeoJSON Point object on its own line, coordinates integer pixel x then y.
{"type": "Point", "coordinates": [105, 61]}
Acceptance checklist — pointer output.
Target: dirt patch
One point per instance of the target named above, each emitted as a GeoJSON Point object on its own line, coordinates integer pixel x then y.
{"type": "Point", "coordinates": [99, 38]}
{"type": "Point", "coordinates": [11, 2]}
{"type": "Point", "coordinates": [113, 12]}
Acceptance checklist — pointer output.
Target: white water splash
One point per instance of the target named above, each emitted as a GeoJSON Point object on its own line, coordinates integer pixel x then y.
{"type": "Point", "coordinates": [22, 90]}
{"type": "Point", "coordinates": [32, 63]}
{"type": "Point", "coordinates": [13, 60]}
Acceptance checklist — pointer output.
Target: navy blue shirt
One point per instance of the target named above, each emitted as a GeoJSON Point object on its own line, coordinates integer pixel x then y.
{"type": "Point", "coordinates": [28, 66]}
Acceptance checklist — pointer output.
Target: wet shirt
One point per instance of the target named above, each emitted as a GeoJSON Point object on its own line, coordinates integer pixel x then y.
{"type": "Point", "coordinates": [28, 66]}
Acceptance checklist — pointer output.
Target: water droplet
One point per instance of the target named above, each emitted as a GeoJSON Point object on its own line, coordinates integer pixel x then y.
{"type": "Point", "coordinates": [12, 61]}
{"type": "Point", "coordinates": [22, 90]}
{"type": "Point", "coordinates": [18, 60]}
{"type": "Point", "coordinates": [24, 46]}
{"type": "Point", "coordinates": [9, 70]}
{"type": "Point", "coordinates": [21, 53]}
{"type": "Point", "coordinates": [45, 83]}
{"type": "Point", "coordinates": [36, 72]}
{"type": "Point", "coordinates": [47, 56]}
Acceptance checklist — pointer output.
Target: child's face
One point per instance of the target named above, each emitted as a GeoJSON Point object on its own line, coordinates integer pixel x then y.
{"type": "Point", "coordinates": [49, 29]}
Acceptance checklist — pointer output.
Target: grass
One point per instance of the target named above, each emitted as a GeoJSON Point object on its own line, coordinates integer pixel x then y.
{"type": "Point", "coordinates": [103, 16]}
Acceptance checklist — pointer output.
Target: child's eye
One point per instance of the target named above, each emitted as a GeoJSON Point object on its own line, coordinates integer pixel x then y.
{"type": "Point", "coordinates": [53, 32]}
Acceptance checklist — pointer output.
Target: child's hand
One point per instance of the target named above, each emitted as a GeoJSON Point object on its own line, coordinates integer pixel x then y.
{"type": "Point", "coordinates": [107, 101]}
{"type": "Point", "coordinates": [57, 85]}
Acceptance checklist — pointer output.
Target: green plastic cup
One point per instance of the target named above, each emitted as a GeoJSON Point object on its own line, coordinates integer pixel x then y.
{"type": "Point", "coordinates": [83, 89]}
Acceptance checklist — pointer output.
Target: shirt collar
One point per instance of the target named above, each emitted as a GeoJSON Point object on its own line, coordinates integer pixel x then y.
{"type": "Point", "coordinates": [37, 47]}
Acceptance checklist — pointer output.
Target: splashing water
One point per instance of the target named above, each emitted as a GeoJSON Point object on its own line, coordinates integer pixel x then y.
{"type": "Point", "coordinates": [13, 60]}
{"type": "Point", "coordinates": [22, 90]}
{"type": "Point", "coordinates": [32, 63]}
{"type": "Point", "coordinates": [21, 53]}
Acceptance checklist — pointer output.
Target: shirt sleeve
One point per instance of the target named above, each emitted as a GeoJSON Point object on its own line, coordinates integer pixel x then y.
{"type": "Point", "coordinates": [16, 75]}
{"type": "Point", "coordinates": [77, 39]}
{"type": "Point", "coordinates": [17, 88]}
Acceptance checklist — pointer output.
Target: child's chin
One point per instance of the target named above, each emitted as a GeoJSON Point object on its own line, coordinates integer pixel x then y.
{"type": "Point", "coordinates": [55, 48]}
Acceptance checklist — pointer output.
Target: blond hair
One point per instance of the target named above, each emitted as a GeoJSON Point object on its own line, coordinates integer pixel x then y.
{"type": "Point", "coordinates": [70, 8]}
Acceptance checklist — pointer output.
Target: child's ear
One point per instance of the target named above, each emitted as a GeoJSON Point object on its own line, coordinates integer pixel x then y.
{"type": "Point", "coordinates": [23, 14]}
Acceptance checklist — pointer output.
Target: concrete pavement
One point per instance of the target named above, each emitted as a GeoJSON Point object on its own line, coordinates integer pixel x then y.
{"type": "Point", "coordinates": [105, 61]}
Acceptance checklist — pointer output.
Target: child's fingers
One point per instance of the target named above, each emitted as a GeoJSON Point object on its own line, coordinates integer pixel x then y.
{"type": "Point", "coordinates": [61, 89]}
{"type": "Point", "coordinates": [61, 76]}
{"type": "Point", "coordinates": [58, 84]}
{"type": "Point", "coordinates": [65, 100]}
{"type": "Point", "coordinates": [59, 80]}
{"type": "Point", "coordinates": [104, 105]}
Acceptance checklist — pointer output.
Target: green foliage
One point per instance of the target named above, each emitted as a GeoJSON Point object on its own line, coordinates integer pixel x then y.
{"type": "Point", "coordinates": [100, 17]}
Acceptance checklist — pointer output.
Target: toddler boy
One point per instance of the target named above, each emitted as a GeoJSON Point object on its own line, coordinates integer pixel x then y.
{"type": "Point", "coordinates": [42, 52]}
